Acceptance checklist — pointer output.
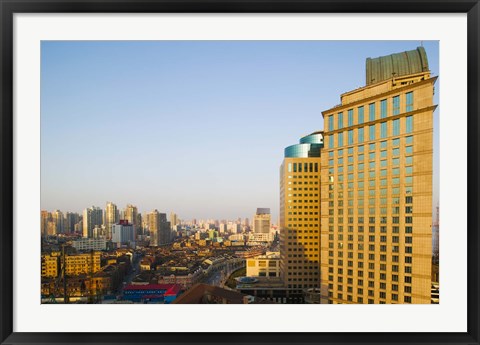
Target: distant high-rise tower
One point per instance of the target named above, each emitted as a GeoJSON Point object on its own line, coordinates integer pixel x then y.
{"type": "Point", "coordinates": [159, 228]}
{"type": "Point", "coordinates": [45, 217]}
{"type": "Point", "coordinates": [173, 219]}
{"type": "Point", "coordinates": [92, 217]}
{"type": "Point", "coordinates": [71, 218]}
{"type": "Point", "coordinates": [376, 181]}
{"type": "Point", "coordinates": [111, 217]}
{"type": "Point", "coordinates": [262, 220]}
{"type": "Point", "coordinates": [131, 214]}
{"type": "Point", "coordinates": [300, 215]}
{"type": "Point", "coordinates": [57, 217]}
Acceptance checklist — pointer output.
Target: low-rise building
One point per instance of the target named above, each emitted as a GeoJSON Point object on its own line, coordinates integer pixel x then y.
{"type": "Point", "coordinates": [50, 265]}
{"type": "Point", "coordinates": [267, 265]}
{"type": "Point", "coordinates": [83, 244]}
{"type": "Point", "coordinates": [82, 263]}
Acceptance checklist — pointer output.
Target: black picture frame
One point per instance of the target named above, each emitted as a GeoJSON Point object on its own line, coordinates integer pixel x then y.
{"type": "Point", "coordinates": [9, 7]}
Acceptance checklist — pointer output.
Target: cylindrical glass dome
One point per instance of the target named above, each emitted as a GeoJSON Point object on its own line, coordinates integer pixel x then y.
{"type": "Point", "coordinates": [303, 150]}
{"type": "Point", "coordinates": [314, 138]}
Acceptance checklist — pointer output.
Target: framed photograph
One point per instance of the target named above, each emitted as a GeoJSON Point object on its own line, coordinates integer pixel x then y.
{"type": "Point", "coordinates": [292, 161]}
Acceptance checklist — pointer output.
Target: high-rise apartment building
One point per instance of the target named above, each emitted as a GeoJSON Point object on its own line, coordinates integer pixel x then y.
{"type": "Point", "coordinates": [173, 219]}
{"type": "Point", "coordinates": [92, 218]}
{"type": "Point", "coordinates": [159, 228]}
{"type": "Point", "coordinates": [57, 217]}
{"type": "Point", "coordinates": [71, 218]}
{"type": "Point", "coordinates": [111, 217]}
{"type": "Point", "coordinates": [45, 217]}
{"type": "Point", "coordinates": [123, 233]}
{"type": "Point", "coordinates": [376, 186]}
{"type": "Point", "coordinates": [262, 220]}
{"type": "Point", "coordinates": [300, 215]}
{"type": "Point", "coordinates": [131, 214]}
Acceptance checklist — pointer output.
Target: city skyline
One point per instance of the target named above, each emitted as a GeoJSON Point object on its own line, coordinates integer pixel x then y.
{"type": "Point", "coordinates": [227, 139]}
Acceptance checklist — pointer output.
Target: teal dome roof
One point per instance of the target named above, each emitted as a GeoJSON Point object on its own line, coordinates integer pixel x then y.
{"type": "Point", "coordinates": [396, 65]}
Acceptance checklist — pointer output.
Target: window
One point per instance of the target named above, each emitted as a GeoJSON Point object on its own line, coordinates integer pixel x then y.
{"type": "Point", "coordinates": [396, 105]}
{"type": "Point", "coordinates": [383, 108]}
{"type": "Point", "coordinates": [350, 117]}
{"type": "Point", "coordinates": [396, 127]}
{"type": "Point", "coordinates": [409, 149]}
{"type": "Point", "coordinates": [408, 140]}
{"type": "Point", "coordinates": [330, 142]}
{"type": "Point", "coordinates": [340, 139]}
{"type": "Point", "coordinates": [371, 112]}
{"type": "Point", "coordinates": [340, 120]}
{"type": "Point", "coordinates": [360, 115]}
{"type": "Point", "coordinates": [409, 101]}
{"type": "Point", "coordinates": [372, 134]}
{"type": "Point", "coordinates": [330, 123]}
{"type": "Point", "coordinates": [350, 137]}
{"type": "Point", "coordinates": [409, 124]}
{"type": "Point", "coordinates": [360, 135]}
{"type": "Point", "coordinates": [383, 130]}
{"type": "Point", "coordinates": [395, 142]}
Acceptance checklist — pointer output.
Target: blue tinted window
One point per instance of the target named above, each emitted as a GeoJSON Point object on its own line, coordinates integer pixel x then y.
{"type": "Point", "coordinates": [350, 117]}
{"type": "Point", "coordinates": [330, 142]}
{"type": "Point", "coordinates": [340, 139]}
{"type": "Point", "coordinates": [409, 101]}
{"type": "Point", "coordinates": [409, 124]}
{"type": "Point", "coordinates": [372, 132]}
{"type": "Point", "coordinates": [383, 130]}
{"type": "Point", "coordinates": [330, 123]}
{"type": "Point", "coordinates": [396, 105]}
{"type": "Point", "coordinates": [371, 112]}
{"type": "Point", "coordinates": [350, 137]}
{"type": "Point", "coordinates": [383, 108]}
{"type": "Point", "coordinates": [396, 127]}
{"type": "Point", "coordinates": [340, 120]}
{"type": "Point", "coordinates": [360, 115]}
{"type": "Point", "coordinates": [360, 135]}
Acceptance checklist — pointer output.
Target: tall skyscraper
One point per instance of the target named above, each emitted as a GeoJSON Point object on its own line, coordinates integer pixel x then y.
{"type": "Point", "coordinates": [173, 219]}
{"type": "Point", "coordinates": [262, 220]}
{"type": "Point", "coordinates": [111, 217]}
{"type": "Point", "coordinates": [300, 215]}
{"type": "Point", "coordinates": [131, 214]}
{"type": "Point", "coordinates": [92, 217]}
{"type": "Point", "coordinates": [376, 186]}
{"type": "Point", "coordinates": [71, 218]}
{"type": "Point", "coordinates": [45, 217]}
{"type": "Point", "coordinates": [57, 217]}
{"type": "Point", "coordinates": [159, 228]}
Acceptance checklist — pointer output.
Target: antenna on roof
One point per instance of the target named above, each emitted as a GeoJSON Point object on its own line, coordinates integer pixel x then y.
{"type": "Point", "coordinates": [421, 43]}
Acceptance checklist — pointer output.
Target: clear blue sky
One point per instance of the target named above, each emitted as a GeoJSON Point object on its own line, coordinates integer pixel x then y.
{"type": "Point", "coordinates": [193, 127]}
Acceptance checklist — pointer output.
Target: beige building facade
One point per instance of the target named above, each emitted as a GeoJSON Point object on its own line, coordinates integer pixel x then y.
{"type": "Point", "coordinates": [300, 215]}
{"type": "Point", "coordinates": [376, 178]}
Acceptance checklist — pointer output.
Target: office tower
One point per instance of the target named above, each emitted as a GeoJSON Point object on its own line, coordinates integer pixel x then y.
{"type": "Point", "coordinates": [123, 233]}
{"type": "Point", "coordinates": [139, 224]}
{"type": "Point", "coordinates": [300, 215]}
{"type": "Point", "coordinates": [92, 218]}
{"type": "Point", "coordinates": [111, 217]}
{"type": "Point", "coordinates": [71, 219]}
{"type": "Point", "coordinates": [131, 214]}
{"type": "Point", "coordinates": [261, 221]}
{"type": "Point", "coordinates": [57, 217]}
{"type": "Point", "coordinates": [376, 207]}
{"type": "Point", "coordinates": [45, 216]}
{"type": "Point", "coordinates": [159, 228]}
{"type": "Point", "coordinates": [173, 219]}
